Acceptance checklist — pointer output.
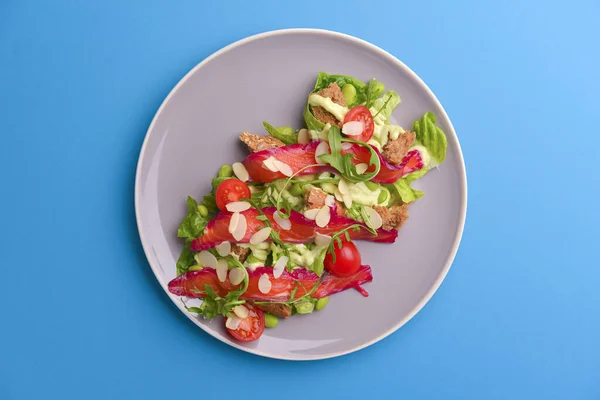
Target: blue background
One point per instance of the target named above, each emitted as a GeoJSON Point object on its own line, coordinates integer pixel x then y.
{"type": "Point", "coordinates": [81, 313]}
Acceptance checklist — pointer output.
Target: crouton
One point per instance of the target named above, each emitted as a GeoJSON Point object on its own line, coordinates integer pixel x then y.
{"type": "Point", "coordinates": [240, 252]}
{"type": "Point", "coordinates": [258, 143]}
{"type": "Point", "coordinates": [314, 198]}
{"type": "Point", "coordinates": [334, 92]}
{"type": "Point", "coordinates": [277, 309]}
{"type": "Point", "coordinates": [395, 150]}
{"type": "Point", "coordinates": [393, 217]}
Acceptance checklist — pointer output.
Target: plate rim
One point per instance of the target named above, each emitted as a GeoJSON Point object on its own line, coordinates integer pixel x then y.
{"type": "Point", "coordinates": [462, 170]}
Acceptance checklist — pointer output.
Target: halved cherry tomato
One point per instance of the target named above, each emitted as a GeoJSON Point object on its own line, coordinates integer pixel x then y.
{"type": "Point", "coordinates": [361, 113]}
{"type": "Point", "coordinates": [347, 259]}
{"type": "Point", "coordinates": [251, 327]}
{"type": "Point", "coordinates": [231, 190]}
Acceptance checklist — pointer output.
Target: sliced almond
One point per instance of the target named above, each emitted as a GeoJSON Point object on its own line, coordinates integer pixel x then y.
{"type": "Point", "coordinates": [338, 195]}
{"type": "Point", "coordinates": [233, 222]}
{"type": "Point", "coordinates": [240, 311]}
{"type": "Point", "coordinates": [303, 136]}
{"type": "Point", "coordinates": [279, 267]}
{"type": "Point", "coordinates": [240, 171]}
{"type": "Point", "coordinates": [223, 248]}
{"type": "Point", "coordinates": [222, 269]}
{"type": "Point", "coordinates": [311, 214]}
{"type": "Point", "coordinates": [264, 284]}
{"type": "Point", "coordinates": [284, 223]}
{"type": "Point", "coordinates": [322, 240]}
{"type": "Point", "coordinates": [346, 146]}
{"type": "Point", "coordinates": [361, 168]}
{"type": "Point", "coordinates": [347, 200]}
{"type": "Point", "coordinates": [283, 168]}
{"type": "Point", "coordinates": [233, 323]}
{"type": "Point", "coordinates": [207, 259]}
{"type": "Point", "coordinates": [240, 230]}
{"type": "Point", "coordinates": [268, 164]}
{"type": "Point", "coordinates": [323, 217]}
{"type": "Point", "coordinates": [343, 186]}
{"type": "Point", "coordinates": [260, 236]}
{"type": "Point", "coordinates": [236, 276]}
{"type": "Point", "coordinates": [330, 200]}
{"type": "Point", "coordinates": [238, 206]}
{"type": "Point", "coordinates": [375, 220]}
{"type": "Point", "coordinates": [322, 148]}
{"type": "Point", "coordinates": [324, 175]}
{"type": "Point", "coordinates": [353, 128]}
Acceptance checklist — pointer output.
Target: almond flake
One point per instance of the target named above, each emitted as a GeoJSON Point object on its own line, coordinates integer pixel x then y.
{"type": "Point", "coordinates": [303, 136]}
{"type": "Point", "coordinates": [279, 267]}
{"type": "Point", "coordinates": [240, 171]}
{"type": "Point", "coordinates": [240, 311]}
{"type": "Point", "coordinates": [223, 248]}
{"type": "Point", "coordinates": [284, 223]}
{"type": "Point", "coordinates": [338, 195]}
{"type": "Point", "coordinates": [222, 269]}
{"type": "Point", "coordinates": [240, 230]}
{"type": "Point", "coordinates": [260, 236]}
{"type": "Point", "coordinates": [323, 217]}
{"type": "Point", "coordinates": [269, 164]}
{"type": "Point", "coordinates": [353, 128]}
{"type": "Point", "coordinates": [206, 259]}
{"type": "Point", "coordinates": [361, 168]}
{"type": "Point", "coordinates": [238, 206]}
{"type": "Point", "coordinates": [322, 240]}
{"type": "Point", "coordinates": [233, 222]}
{"type": "Point", "coordinates": [330, 200]}
{"type": "Point", "coordinates": [346, 146]}
{"type": "Point", "coordinates": [236, 276]}
{"type": "Point", "coordinates": [233, 323]}
{"type": "Point", "coordinates": [264, 284]}
{"type": "Point", "coordinates": [343, 187]}
{"type": "Point", "coordinates": [375, 220]}
{"type": "Point", "coordinates": [283, 168]}
{"type": "Point", "coordinates": [311, 214]}
{"type": "Point", "coordinates": [322, 148]}
{"type": "Point", "coordinates": [347, 200]}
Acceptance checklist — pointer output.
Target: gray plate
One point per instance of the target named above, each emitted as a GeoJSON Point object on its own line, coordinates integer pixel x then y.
{"type": "Point", "coordinates": [267, 77]}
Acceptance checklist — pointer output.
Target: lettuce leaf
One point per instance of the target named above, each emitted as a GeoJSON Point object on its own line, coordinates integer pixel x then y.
{"type": "Point", "coordinates": [384, 106]}
{"type": "Point", "coordinates": [193, 224]}
{"type": "Point", "coordinates": [324, 80]}
{"type": "Point", "coordinates": [312, 123]}
{"type": "Point", "coordinates": [431, 136]}
{"type": "Point", "coordinates": [186, 259]}
{"type": "Point", "coordinates": [403, 189]}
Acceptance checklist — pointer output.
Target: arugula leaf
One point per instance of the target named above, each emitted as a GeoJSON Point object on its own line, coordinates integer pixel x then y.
{"type": "Point", "coordinates": [283, 133]}
{"type": "Point", "coordinates": [193, 224]}
{"type": "Point", "coordinates": [343, 163]}
{"type": "Point", "coordinates": [186, 259]}
{"type": "Point", "coordinates": [431, 136]}
{"type": "Point", "coordinates": [319, 264]}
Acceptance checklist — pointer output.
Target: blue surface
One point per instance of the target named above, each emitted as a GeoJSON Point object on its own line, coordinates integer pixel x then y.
{"type": "Point", "coordinates": [82, 315]}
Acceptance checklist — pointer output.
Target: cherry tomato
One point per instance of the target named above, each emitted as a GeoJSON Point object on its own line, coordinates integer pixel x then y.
{"type": "Point", "coordinates": [231, 190]}
{"type": "Point", "coordinates": [361, 113]}
{"type": "Point", "coordinates": [347, 259]}
{"type": "Point", "coordinates": [251, 327]}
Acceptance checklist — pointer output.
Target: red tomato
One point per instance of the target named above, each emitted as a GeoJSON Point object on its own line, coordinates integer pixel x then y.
{"type": "Point", "coordinates": [251, 327]}
{"type": "Point", "coordinates": [347, 259]}
{"type": "Point", "coordinates": [231, 190]}
{"type": "Point", "coordinates": [361, 113]}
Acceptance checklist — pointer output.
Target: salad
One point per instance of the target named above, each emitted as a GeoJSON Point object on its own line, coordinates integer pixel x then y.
{"type": "Point", "coordinates": [275, 237]}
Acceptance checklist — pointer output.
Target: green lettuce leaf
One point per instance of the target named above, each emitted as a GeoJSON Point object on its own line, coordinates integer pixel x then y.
{"type": "Point", "coordinates": [385, 105]}
{"type": "Point", "coordinates": [403, 189]}
{"type": "Point", "coordinates": [193, 224]}
{"type": "Point", "coordinates": [431, 136]}
{"type": "Point", "coordinates": [324, 80]}
{"type": "Point", "coordinates": [283, 133]}
{"type": "Point", "coordinates": [186, 259]}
